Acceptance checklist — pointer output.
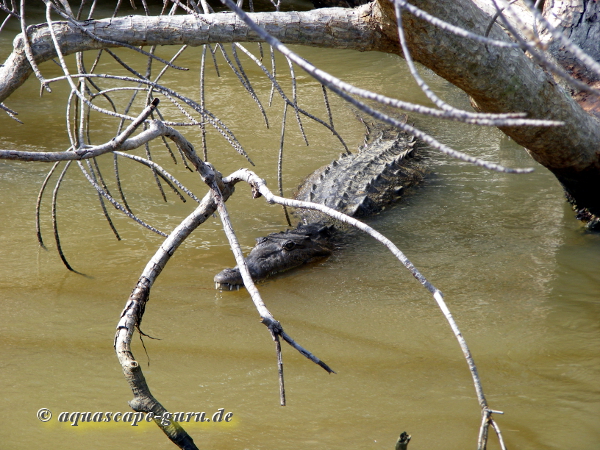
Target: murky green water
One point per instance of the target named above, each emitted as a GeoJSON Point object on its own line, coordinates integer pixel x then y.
{"type": "Point", "coordinates": [518, 272]}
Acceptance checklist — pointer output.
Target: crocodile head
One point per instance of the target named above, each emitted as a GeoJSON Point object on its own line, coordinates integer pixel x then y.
{"type": "Point", "coordinates": [278, 252]}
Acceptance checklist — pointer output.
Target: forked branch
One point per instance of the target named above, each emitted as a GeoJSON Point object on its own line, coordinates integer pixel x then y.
{"type": "Point", "coordinates": [259, 186]}
{"type": "Point", "coordinates": [132, 314]}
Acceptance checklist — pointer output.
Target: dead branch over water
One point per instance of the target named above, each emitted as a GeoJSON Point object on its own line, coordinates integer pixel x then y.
{"type": "Point", "coordinates": [397, 31]}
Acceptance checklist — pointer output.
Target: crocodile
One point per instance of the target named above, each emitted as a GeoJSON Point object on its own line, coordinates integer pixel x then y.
{"type": "Point", "coordinates": [359, 185]}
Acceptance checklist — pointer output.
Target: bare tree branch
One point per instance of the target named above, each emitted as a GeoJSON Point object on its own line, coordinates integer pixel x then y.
{"type": "Point", "coordinates": [259, 186]}
{"type": "Point", "coordinates": [345, 29]}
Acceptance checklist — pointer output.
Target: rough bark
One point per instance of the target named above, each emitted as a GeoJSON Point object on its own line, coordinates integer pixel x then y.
{"type": "Point", "coordinates": [578, 20]}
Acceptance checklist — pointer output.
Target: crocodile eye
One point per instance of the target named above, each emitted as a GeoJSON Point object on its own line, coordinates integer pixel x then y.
{"type": "Point", "coordinates": [289, 245]}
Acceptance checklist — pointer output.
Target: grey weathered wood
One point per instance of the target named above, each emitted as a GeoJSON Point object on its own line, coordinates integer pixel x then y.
{"type": "Point", "coordinates": [331, 27]}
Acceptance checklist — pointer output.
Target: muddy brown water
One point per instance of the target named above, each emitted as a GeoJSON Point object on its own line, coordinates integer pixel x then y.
{"type": "Point", "coordinates": [518, 272]}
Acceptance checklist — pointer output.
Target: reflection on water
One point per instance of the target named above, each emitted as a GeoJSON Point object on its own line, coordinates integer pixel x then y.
{"type": "Point", "coordinates": [519, 275]}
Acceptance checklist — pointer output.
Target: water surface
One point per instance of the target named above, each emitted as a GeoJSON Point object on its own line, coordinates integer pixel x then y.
{"type": "Point", "coordinates": [519, 274]}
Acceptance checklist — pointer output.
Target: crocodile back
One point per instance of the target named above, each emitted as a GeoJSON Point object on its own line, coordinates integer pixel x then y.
{"type": "Point", "coordinates": [362, 184]}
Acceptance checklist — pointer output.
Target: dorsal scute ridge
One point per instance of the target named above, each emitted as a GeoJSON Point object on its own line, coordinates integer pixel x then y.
{"type": "Point", "coordinates": [362, 183]}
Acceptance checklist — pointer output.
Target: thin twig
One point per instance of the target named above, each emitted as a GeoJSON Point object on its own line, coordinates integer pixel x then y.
{"type": "Point", "coordinates": [156, 179]}
{"type": "Point", "coordinates": [202, 101]}
{"type": "Point", "coordinates": [55, 220]}
{"type": "Point", "coordinates": [276, 85]}
{"type": "Point", "coordinates": [275, 337]}
{"type": "Point", "coordinates": [162, 173]}
{"type": "Point", "coordinates": [274, 73]}
{"type": "Point", "coordinates": [29, 51]}
{"type": "Point", "coordinates": [210, 118]}
{"type": "Point", "coordinates": [116, 204]}
{"type": "Point", "coordinates": [38, 205]}
{"type": "Point", "coordinates": [118, 179]}
{"type": "Point", "coordinates": [245, 84]}
{"type": "Point", "coordinates": [280, 163]}
{"type": "Point", "coordinates": [101, 200]}
{"type": "Point", "coordinates": [327, 107]}
{"type": "Point", "coordinates": [456, 30]}
{"type": "Point", "coordinates": [12, 114]}
{"type": "Point", "coordinates": [295, 99]}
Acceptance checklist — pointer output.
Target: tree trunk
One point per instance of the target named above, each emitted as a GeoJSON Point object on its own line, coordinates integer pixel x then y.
{"type": "Point", "coordinates": [506, 80]}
